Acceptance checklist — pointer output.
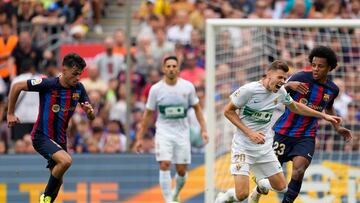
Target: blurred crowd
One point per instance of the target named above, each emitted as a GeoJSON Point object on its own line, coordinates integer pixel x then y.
{"type": "Point", "coordinates": [166, 27]}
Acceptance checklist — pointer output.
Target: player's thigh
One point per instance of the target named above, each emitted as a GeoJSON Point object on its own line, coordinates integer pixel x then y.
{"type": "Point", "coordinates": [182, 151]}
{"type": "Point", "coordinates": [163, 148]}
{"type": "Point", "coordinates": [45, 146]}
{"type": "Point", "coordinates": [266, 166]}
{"type": "Point", "coordinates": [304, 147]}
{"type": "Point", "coordinates": [241, 161]}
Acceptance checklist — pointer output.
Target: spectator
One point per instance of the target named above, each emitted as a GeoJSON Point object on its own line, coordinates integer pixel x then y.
{"type": "Point", "coordinates": [114, 129]}
{"type": "Point", "coordinates": [144, 55]}
{"type": "Point", "coordinates": [181, 30]}
{"type": "Point", "coordinates": [161, 8]}
{"type": "Point", "coordinates": [153, 77]}
{"type": "Point", "coordinates": [82, 134]}
{"type": "Point", "coordinates": [25, 50]}
{"type": "Point", "coordinates": [8, 41]}
{"type": "Point", "coordinates": [185, 5]}
{"type": "Point", "coordinates": [191, 72]}
{"type": "Point", "coordinates": [19, 146]}
{"type": "Point", "coordinates": [25, 13]}
{"type": "Point", "coordinates": [94, 82]}
{"type": "Point", "coordinates": [262, 10]}
{"type": "Point", "coordinates": [355, 9]}
{"type": "Point", "coordinates": [149, 27]}
{"type": "Point", "coordinates": [109, 63]}
{"type": "Point", "coordinates": [197, 18]}
{"type": "Point", "coordinates": [120, 39]}
{"type": "Point", "coordinates": [28, 147]}
{"type": "Point", "coordinates": [342, 102]}
{"type": "Point", "coordinates": [25, 100]}
{"type": "Point", "coordinates": [2, 147]}
{"type": "Point", "coordinates": [160, 47]}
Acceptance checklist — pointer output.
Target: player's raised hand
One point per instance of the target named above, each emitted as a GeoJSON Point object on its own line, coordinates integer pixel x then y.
{"type": "Point", "coordinates": [257, 137]}
{"type": "Point", "coordinates": [12, 120]}
{"type": "Point", "coordinates": [298, 86]}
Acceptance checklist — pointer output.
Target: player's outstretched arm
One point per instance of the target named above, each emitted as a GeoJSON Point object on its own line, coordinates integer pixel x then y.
{"type": "Point", "coordinates": [201, 120]}
{"type": "Point", "coordinates": [230, 113]}
{"type": "Point", "coordinates": [148, 115]}
{"type": "Point", "coordinates": [302, 109]}
{"type": "Point", "coordinates": [13, 96]}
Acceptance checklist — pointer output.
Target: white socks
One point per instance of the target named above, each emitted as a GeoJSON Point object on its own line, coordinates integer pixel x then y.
{"type": "Point", "coordinates": [229, 195]}
{"type": "Point", "coordinates": [265, 183]}
{"type": "Point", "coordinates": [165, 185]}
{"type": "Point", "coordinates": [180, 182]}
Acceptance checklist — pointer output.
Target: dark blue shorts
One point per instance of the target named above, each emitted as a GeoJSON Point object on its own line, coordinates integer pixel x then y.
{"type": "Point", "coordinates": [286, 148]}
{"type": "Point", "coordinates": [47, 147]}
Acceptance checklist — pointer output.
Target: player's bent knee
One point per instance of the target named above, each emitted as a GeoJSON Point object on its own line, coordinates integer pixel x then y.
{"type": "Point", "coordinates": [66, 162]}
{"type": "Point", "coordinates": [240, 196]}
{"type": "Point", "coordinates": [165, 165]}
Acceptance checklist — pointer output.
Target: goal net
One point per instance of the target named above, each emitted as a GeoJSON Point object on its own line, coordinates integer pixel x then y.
{"type": "Point", "coordinates": [239, 51]}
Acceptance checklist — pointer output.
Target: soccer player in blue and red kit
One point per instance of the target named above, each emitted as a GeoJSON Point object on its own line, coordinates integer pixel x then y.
{"type": "Point", "coordinates": [294, 138]}
{"type": "Point", "coordinates": [59, 97]}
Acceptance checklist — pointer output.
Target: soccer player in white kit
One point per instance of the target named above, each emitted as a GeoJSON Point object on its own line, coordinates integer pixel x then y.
{"type": "Point", "coordinates": [252, 142]}
{"type": "Point", "coordinates": [171, 97]}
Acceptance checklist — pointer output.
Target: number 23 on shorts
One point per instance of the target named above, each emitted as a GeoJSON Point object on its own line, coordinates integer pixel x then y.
{"type": "Point", "coordinates": [279, 148]}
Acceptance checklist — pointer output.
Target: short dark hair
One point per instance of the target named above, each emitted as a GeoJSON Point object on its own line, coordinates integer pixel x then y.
{"type": "Point", "coordinates": [279, 65]}
{"type": "Point", "coordinates": [324, 52]}
{"type": "Point", "coordinates": [170, 58]}
{"type": "Point", "coordinates": [72, 60]}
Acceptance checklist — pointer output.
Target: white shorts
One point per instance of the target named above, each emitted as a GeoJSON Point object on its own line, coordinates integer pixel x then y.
{"type": "Point", "coordinates": [263, 165]}
{"type": "Point", "coordinates": [178, 150]}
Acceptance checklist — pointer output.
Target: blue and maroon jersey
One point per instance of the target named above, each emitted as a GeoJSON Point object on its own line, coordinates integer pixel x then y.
{"type": "Point", "coordinates": [57, 105]}
{"type": "Point", "coordinates": [319, 97]}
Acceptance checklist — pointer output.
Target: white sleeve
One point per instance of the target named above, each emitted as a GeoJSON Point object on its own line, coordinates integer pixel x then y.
{"type": "Point", "coordinates": [151, 101]}
{"type": "Point", "coordinates": [285, 98]}
{"type": "Point", "coordinates": [193, 97]}
{"type": "Point", "coordinates": [241, 96]}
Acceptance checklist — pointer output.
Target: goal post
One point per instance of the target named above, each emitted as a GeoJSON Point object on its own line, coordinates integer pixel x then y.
{"type": "Point", "coordinates": [239, 51]}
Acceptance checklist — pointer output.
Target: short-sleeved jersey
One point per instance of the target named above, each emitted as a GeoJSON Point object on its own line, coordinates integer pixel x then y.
{"type": "Point", "coordinates": [172, 103]}
{"type": "Point", "coordinates": [319, 97]}
{"type": "Point", "coordinates": [57, 105]}
{"type": "Point", "coordinates": [257, 105]}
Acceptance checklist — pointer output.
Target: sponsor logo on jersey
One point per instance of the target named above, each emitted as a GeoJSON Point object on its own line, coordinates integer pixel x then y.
{"type": "Point", "coordinates": [55, 108]}
{"type": "Point", "coordinates": [36, 81]}
{"type": "Point", "coordinates": [326, 97]}
{"type": "Point", "coordinates": [75, 96]}
{"type": "Point", "coordinates": [304, 101]}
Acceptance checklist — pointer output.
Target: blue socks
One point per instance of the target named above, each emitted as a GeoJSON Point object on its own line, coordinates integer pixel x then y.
{"type": "Point", "coordinates": [292, 192]}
